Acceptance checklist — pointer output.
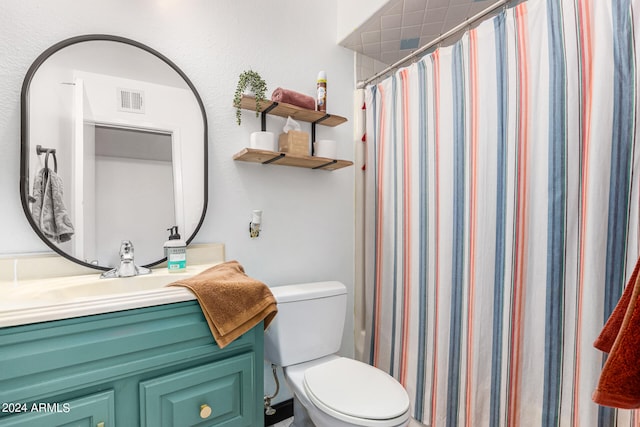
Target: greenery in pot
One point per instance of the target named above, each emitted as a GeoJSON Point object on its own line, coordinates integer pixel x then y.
{"type": "Point", "coordinates": [249, 80]}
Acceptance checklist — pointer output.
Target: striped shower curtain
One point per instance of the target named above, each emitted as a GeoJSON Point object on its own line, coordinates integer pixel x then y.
{"type": "Point", "coordinates": [501, 215]}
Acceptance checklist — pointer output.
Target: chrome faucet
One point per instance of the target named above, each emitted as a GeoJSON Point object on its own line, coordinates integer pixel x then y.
{"type": "Point", "coordinates": [127, 268]}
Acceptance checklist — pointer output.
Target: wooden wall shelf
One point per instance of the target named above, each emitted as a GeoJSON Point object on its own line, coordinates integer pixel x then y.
{"type": "Point", "coordinates": [282, 109]}
{"type": "Point", "coordinates": [267, 157]}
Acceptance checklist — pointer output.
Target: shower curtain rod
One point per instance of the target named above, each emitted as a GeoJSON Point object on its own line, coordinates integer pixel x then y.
{"type": "Point", "coordinates": [466, 23]}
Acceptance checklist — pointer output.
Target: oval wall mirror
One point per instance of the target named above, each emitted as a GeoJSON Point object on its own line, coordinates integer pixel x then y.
{"type": "Point", "coordinates": [113, 148]}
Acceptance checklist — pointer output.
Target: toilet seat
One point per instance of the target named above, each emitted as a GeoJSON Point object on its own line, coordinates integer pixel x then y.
{"type": "Point", "coordinates": [356, 393]}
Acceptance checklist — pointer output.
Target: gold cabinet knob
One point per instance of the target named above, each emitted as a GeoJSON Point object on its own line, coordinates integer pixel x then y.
{"type": "Point", "coordinates": [205, 411]}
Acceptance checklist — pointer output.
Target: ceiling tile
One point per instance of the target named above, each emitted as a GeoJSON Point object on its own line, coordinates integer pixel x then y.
{"type": "Point", "coordinates": [437, 4]}
{"type": "Point", "coordinates": [432, 28]}
{"type": "Point", "coordinates": [391, 34]}
{"type": "Point", "coordinates": [371, 49]}
{"type": "Point", "coordinates": [428, 39]}
{"type": "Point", "coordinates": [371, 25]}
{"type": "Point", "coordinates": [391, 21]}
{"type": "Point", "coordinates": [379, 38]}
{"type": "Point", "coordinates": [371, 37]}
{"type": "Point", "coordinates": [435, 15]}
{"type": "Point", "coordinates": [411, 32]}
{"type": "Point", "coordinates": [390, 46]}
{"type": "Point", "coordinates": [415, 5]}
{"type": "Point", "coordinates": [457, 14]}
{"type": "Point", "coordinates": [412, 18]}
{"type": "Point", "coordinates": [394, 7]}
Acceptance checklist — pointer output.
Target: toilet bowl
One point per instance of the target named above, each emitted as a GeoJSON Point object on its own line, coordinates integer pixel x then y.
{"type": "Point", "coordinates": [329, 390]}
{"type": "Point", "coordinates": [340, 392]}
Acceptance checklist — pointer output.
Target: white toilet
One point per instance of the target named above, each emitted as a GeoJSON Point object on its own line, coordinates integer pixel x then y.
{"type": "Point", "coordinates": [330, 391]}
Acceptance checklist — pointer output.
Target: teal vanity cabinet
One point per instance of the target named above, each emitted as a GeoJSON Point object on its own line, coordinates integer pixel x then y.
{"type": "Point", "coordinates": [155, 366]}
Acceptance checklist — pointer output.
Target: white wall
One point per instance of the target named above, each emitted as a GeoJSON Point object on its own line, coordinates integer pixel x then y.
{"type": "Point", "coordinates": [308, 215]}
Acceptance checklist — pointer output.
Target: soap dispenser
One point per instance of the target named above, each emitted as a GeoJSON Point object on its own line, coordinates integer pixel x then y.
{"type": "Point", "coordinates": [175, 249]}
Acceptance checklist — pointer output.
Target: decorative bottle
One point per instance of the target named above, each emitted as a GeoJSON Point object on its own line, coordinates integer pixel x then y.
{"type": "Point", "coordinates": [321, 95]}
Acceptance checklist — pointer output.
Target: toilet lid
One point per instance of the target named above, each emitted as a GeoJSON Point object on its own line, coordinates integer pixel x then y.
{"type": "Point", "coordinates": [347, 389]}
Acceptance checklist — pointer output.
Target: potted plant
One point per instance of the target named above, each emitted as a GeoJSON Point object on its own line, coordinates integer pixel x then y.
{"type": "Point", "coordinates": [249, 80]}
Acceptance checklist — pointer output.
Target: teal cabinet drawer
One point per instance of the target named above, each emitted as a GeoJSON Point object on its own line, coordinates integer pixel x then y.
{"type": "Point", "coordinates": [96, 410]}
{"type": "Point", "coordinates": [218, 393]}
{"type": "Point", "coordinates": [40, 360]}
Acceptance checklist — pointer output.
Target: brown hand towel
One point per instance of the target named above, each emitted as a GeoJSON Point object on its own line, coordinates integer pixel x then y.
{"type": "Point", "coordinates": [619, 383]}
{"type": "Point", "coordinates": [609, 332]}
{"type": "Point", "coordinates": [294, 98]}
{"type": "Point", "coordinates": [231, 301]}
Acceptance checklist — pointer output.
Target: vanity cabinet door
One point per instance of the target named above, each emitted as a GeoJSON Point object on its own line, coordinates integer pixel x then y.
{"type": "Point", "coordinates": [96, 410]}
{"type": "Point", "coordinates": [218, 393]}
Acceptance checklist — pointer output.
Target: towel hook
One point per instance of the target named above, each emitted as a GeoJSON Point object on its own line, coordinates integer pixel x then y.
{"type": "Point", "coordinates": [55, 162]}
{"type": "Point", "coordinates": [46, 151]}
{"type": "Point", "coordinates": [41, 150]}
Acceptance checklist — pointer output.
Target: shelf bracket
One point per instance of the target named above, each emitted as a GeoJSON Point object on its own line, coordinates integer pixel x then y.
{"type": "Point", "coordinates": [273, 159]}
{"type": "Point", "coordinates": [263, 115]}
{"type": "Point", "coordinates": [313, 130]}
{"type": "Point", "coordinates": [322, 166]}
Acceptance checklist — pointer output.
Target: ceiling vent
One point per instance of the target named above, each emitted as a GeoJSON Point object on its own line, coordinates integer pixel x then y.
{"type": "Point", "coordinates": [409, 43]}
{"type": "Point", "coordinates": [131, 101]}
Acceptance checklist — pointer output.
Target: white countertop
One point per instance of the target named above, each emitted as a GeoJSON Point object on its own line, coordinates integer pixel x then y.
{"type": "Point", "coordinates": [67, 297]}
{"type": "Point", "coordinates": [28, 300]}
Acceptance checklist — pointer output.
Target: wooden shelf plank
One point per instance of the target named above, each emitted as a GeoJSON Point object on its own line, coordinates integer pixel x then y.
{"type": "Point", "coordinates": [287, 110]}
{"type": "Point", "coordinates": [286, 159]}
{"type": "Point", "coordinates": [256, 156]}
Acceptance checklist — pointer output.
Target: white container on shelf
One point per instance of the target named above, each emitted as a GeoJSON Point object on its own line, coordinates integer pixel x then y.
{"type": "Point", "coordinates": [263, 141]}
{"type": "Point", "coordinates": [325, 148]}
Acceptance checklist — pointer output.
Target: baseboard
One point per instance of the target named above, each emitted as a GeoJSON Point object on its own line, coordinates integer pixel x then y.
{"type": "Point", "coordinates": [283, 409]}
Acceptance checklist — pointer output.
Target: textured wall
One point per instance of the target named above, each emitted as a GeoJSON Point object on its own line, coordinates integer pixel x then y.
{"type": "Point", "coordinates": [308, 215]}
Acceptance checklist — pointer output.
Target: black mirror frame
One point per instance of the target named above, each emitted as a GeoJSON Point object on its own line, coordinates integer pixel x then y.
{"type": "Point", "coordinates": [24, 135]}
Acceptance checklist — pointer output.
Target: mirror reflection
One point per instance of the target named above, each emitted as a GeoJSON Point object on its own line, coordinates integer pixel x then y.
{"type": "Point", "coordinates": [122, 137]}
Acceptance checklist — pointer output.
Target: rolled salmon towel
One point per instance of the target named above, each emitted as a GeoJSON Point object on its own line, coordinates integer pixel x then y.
{"type": "Point", "coordinates": [294, 98]}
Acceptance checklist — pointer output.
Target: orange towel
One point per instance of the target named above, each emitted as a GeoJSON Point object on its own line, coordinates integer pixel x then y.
{"type": "Point", "coordinates": [609, 332]}
{"type": "Point", "coordinates": [231, 301]}
{"type": "Point", "coordinates": [619, 383]}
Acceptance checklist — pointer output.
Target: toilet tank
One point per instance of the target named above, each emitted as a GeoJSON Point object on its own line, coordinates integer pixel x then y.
{"type": "Point", "coordinates": [309, 322]}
